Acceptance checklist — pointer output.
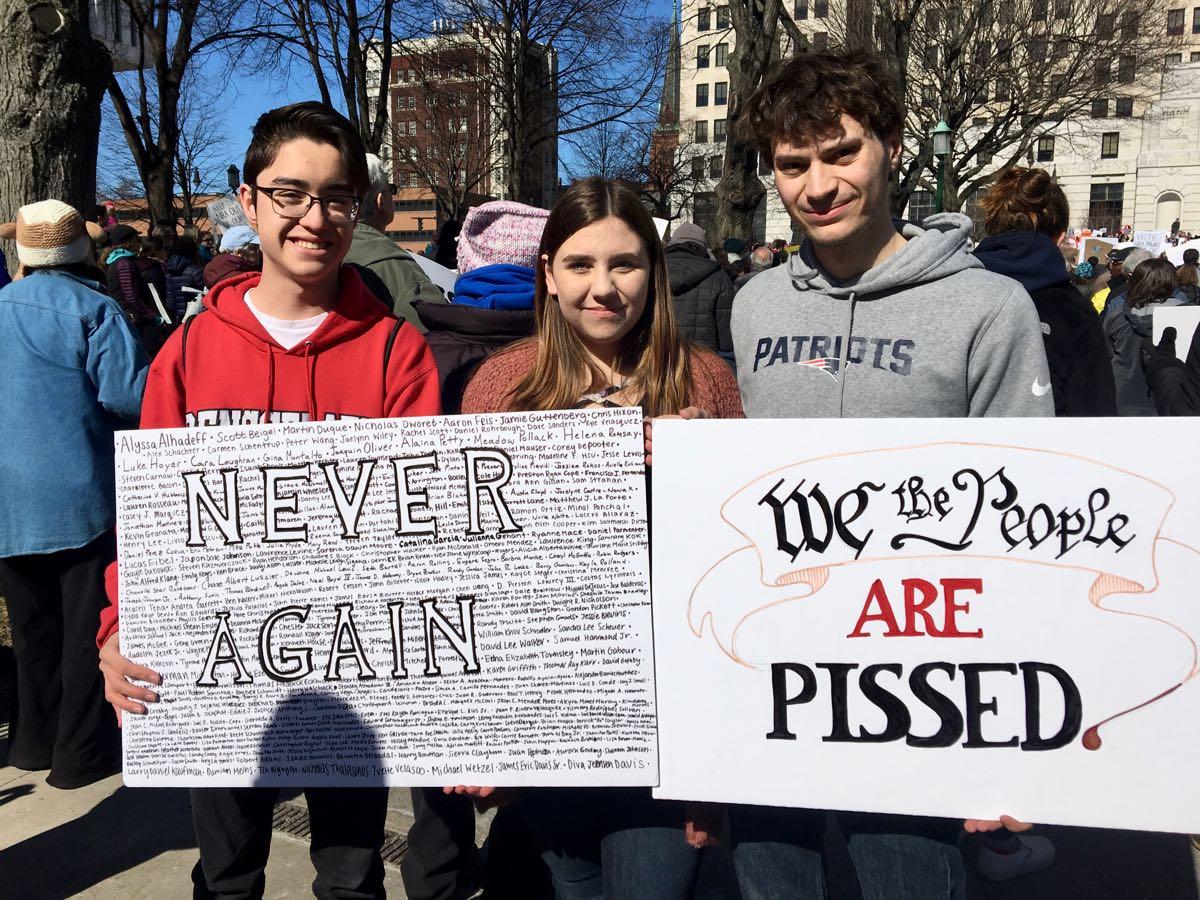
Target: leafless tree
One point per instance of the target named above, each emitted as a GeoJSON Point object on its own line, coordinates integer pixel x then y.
{"type": "Point", "coordinates": [1001, 75]}
{"type": "Point", "coordinates": [197, 163]}
{"type": "Point", "coordinates": [175, 34]}
{"type": "Point", "coordinates": [343, 46]}
{"type": "Point", "coordinates": [558, 68]}
{"type": "Point", "coordinates": [52, 77]}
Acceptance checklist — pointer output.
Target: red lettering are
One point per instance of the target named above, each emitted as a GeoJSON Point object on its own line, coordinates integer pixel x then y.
{"type": "Point", "coordinates": [920, 600]}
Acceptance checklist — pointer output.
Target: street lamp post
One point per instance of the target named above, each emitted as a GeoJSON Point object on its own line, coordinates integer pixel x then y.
{"type": "Point", "coordinates": [234, 179]}
{"type": "Point", "coordinates": [941, 149]}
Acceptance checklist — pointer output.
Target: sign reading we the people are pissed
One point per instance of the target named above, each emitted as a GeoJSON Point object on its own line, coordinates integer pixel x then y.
{"type": "Point", "coordinates": [961, 618]}
{"type": "Point", "coordinates": [459, 600]}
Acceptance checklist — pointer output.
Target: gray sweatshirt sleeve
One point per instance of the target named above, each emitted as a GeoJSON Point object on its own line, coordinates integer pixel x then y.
{"type": "Point", "coordinates": [1007, 374]}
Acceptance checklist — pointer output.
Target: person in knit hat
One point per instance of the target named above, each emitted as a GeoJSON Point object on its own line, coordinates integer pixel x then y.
{"type": "Point", "coordinates": [492, 302]}
{"type": "Point", "coordinates": [491, 307]}
{"type": "Point", "coordinates": [73, 372]}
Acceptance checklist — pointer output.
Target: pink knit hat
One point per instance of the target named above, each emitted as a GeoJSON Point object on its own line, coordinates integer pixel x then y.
{"type": "Point", "coordinates": [501, 232]}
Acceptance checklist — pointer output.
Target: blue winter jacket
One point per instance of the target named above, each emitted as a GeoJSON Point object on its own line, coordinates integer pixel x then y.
{"type": "Point", "coordinates": [72, 372]}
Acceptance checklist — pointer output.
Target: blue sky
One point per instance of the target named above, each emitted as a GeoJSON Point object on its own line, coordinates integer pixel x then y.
{"type": "Point", "coordinates": [244, 98]}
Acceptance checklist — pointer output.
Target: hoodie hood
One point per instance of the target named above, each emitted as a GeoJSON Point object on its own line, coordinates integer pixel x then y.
{"type": "Point", "coordinates": [934, 249]}
{"type": "Point", "coordinates": [688, 264]}
{"type": "Point", "coordinates": [357, 310]}
{"type": "Point", "coordinates": [1029, 257]}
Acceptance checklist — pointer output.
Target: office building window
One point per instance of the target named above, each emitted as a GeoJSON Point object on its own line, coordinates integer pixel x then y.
{"type": "Point", "coordinates": [1126, 69]}
{"type": "Point", "coordinates": [702, 53]}
{"type": "Point", "coordinates": [920, 205]}
{"type": "Point", "coordinates": [721, 93]}
{"type": "Point", "coordinates": [985, 158]}
{"type": "Point", "coordinates": [1100, 108]}
{"type": "Point", "coordinates": [704, 19]}
{"type": "Point", "coordinates": [714, 167]}
{"type": "Point", "coordinates": [1195, 56]}
{"type": "Point", "coordinates": [1041, 10]}
{"type": "Point", "coordinates": [800, 10]}
{"type": "Point", "coordinates": [1062, 9]}
{"type": "Point", "coordinates": [702, 95]}
{"type": "Point", "coordinates": [1045, 149]}
{"type": "Point", "coordinates": [1173, 59]}
{"type": "Point", "coordinates": [1196, 20]}
{"type": "Point", "coordinates": [1106, 206]}
{"type": "Point", "coordinates": [722, 16]}
{"type": "Point", "coordinates": [702, 132]}
{"type": "Point", "coordinates": [1174, 21]}
{"type": "Point", "coordinates": [1124, 107]}
{"type": "Point", "coordinates": [1104, 26]}
{"type": "Point", "coordinates": [1110, 144]}
{"type": "Point", "coordinates": [1129, 26]}
{"type": "Point", "coordinates": [820, 9]}
{"type": "Point", "coordinates": [719, 130]}
{"type": "Point", "coordinates": [722, 54]}
{"type": "Point", "coordinates": [820, 40]}
{"type": "Point", "coordinates": [697, 167]}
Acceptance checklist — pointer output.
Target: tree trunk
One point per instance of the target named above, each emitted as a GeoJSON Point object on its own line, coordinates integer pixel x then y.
{"type": "Point", "coordinates": [52, 77]}
{"type": "Point", "coordinates": [740, 189]}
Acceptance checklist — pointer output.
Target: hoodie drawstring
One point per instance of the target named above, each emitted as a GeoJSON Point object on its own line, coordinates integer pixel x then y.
{"type": "Point", "coordinates": [844, 360]}
{"type": "Point", "coordinates": [310, 360]}
{"type": "Point", "coordinates": [270, 383]}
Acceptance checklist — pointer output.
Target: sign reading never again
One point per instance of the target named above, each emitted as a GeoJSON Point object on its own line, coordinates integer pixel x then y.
{"type": "Point", "coordinates": [389, 566]}
{"type": "Point", "coordinates": [896, 616]}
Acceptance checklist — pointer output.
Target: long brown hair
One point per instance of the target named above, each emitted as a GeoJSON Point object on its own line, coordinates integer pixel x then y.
{"type": "Point", "coordinates": [562, 372]}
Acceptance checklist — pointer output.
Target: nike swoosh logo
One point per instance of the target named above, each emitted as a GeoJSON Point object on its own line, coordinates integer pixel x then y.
{"type": "Point", "coordinates": [1040, 390]}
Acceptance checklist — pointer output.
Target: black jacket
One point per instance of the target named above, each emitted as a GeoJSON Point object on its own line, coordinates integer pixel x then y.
{"type": "Point", "coordinates": [461, 337]}
{"type": "Point", "coordinates": [703, 296]}
{"type": "Point", "coordinates": [1174, 385]}
{"type": "Point", "coordinates": [1076, 349]}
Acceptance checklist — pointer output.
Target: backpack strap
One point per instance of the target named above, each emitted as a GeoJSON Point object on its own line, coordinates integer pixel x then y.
{"type": "Point", "coordinates": [387, 350]}
{"type": "Point", "coordinates": [187, 324]}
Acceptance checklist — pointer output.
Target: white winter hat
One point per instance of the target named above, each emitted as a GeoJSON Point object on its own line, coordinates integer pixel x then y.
{"type": "Point", "coordinates": [50, 233]}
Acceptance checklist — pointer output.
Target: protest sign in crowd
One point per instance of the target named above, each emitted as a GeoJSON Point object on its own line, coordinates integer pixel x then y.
{"type": "Point", "coordinates": [310, 314]}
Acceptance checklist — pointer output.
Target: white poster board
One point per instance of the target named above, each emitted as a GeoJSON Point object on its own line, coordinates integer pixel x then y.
{"type": "Point", "coordinates": [1154, 241]}
{"type": "Point", "coordinates": [961, 618]}
{"type": "Point", "coordinates": [1183, 319]}
{"type": "Point", "coordinates": [225, 212]}
{"type": "Point", "coordinates": [458, 600]}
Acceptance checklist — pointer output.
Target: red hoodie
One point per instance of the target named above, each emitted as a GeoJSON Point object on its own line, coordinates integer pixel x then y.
{"type": "Point", "coordinates": [232, 372]}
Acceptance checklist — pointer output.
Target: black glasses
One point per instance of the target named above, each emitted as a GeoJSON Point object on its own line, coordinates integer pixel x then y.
{"type": "Point", "coordinates": [339, 209]}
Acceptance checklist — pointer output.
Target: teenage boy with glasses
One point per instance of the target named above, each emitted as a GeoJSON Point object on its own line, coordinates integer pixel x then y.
{"type": "Point", "coordinates": [302, 341]}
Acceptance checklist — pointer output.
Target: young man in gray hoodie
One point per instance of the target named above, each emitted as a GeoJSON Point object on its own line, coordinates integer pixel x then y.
{"type": "Point", "coordinates": [866, 320]}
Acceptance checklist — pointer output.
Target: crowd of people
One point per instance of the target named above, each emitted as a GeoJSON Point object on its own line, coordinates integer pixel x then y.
{"type": "Point", "coordinates": [579, 306]}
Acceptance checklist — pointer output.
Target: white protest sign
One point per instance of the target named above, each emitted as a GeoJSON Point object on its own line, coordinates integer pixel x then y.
{"type": "Point", "coordinates": [458, 600]}
{"type": "Point", "coordinates": [1154, 241]}
{"type": "Point", "coordinates": [225, 212]}
{"type": "Point", "coordinates": [961, 618]}
{"type": "Point", "coordinates": [1183, 319]}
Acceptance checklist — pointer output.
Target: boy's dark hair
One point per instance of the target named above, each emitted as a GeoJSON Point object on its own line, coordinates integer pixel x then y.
{"type": "Point", "coordinates": [802, 101]}
{"type": "Point", "coordinates": [314, 121]}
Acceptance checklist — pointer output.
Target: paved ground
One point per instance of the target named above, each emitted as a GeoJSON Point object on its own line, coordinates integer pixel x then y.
{"type": "Point", "coordinates": [109, 841]}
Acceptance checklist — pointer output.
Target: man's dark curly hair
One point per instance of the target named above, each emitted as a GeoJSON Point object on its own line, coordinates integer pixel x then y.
{"type": "Point", "coordinates": [802, 100]}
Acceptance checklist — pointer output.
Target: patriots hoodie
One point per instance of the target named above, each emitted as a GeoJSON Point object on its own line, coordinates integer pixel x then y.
{"type": "Point", "coordinates": [927, 332]}
{"type": "Point", "coordinates": [225, 369]}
